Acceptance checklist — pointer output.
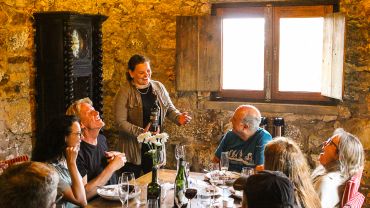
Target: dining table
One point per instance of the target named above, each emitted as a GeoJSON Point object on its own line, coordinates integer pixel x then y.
{"type": "Point", "coordinates": [166, 177]}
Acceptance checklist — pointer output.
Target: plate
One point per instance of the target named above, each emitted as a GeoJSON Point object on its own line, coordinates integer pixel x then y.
{"type": "Point", "coordinates": [110, 192]}
{"type": "Point", "coordinates": [205, 190]}
{"type": "Point", "coordinates": [209, 191]}
{"type": "Point", "coordinates": [217, 177]}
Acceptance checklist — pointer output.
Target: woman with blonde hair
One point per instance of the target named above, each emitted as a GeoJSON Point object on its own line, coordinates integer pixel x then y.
{"type": "Point", "coordinates": [283, 154]}
{"type": "Point", "coordinates": [342, 157]}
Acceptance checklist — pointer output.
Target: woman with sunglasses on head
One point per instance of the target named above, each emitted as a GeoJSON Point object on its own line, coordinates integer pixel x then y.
{"type": "Point", "coordinates": [59, 145]}
{"type": "Point", "coordinates": [342, 157]}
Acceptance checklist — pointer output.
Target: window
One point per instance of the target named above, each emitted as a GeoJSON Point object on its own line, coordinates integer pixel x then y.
{"type": "Point", "coordinates": [267, 53]}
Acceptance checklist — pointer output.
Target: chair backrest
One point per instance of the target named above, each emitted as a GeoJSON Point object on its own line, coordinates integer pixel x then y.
{"type": "Point", "coordinates": [356, 201]}
{"type": "Point", "coordinates": [351, 197]}
{"type": "Point", "coordinates": [21, 158]}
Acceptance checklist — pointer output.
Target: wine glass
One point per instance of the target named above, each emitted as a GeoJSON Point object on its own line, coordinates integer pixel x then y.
{"type": "Point", "coordinates": [179, 153]}
{"type": "Point", "coordinates": [123, 190]}
{"type": "Point", "coordinates": [190, 193]}
{"type": "Point", "coordinates": [224, 164]}
{"type": "Point", "coordinates": [161, 157]}
{"type": "Point", "coordinates": [247, 171]}
{"type": "Point", "coordinates": [130, 181]}
{"type": "Point", "coordinates": [187, 169]}
{"type": "Point", "coordinates": [214, 175]}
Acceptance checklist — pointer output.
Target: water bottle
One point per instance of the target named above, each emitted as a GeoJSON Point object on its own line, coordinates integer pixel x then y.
{"type": "Point", "coordinates": [278, 127]}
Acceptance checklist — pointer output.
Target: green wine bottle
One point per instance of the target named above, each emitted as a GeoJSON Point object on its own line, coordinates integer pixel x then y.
{"type": "Point", "coordinates": [181, 184]}
{"type": "Point", "coordinates": [154, 189]}
{"type": "Point", "coordinates": [154, 116]}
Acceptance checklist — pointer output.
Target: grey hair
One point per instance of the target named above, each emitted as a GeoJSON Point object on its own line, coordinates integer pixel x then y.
{"type": "Point", "coordinates": [351, 153]}
{"type": "Point", "coordinates": [252, 121]}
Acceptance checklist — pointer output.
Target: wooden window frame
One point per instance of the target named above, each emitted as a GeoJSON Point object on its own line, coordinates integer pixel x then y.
{"type": "Point", "coordinates": [296, 11]}
{"type": "Point", "coordinates": [199, 61]}
{"type": "Point", "coordinates": [272, 17]}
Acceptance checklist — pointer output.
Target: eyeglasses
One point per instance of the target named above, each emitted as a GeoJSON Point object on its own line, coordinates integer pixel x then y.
{"type": "Point", "coordinates": [57, 200]}
{"type": "Point", "coordinates": [79, 134]}
{"type": "Point", "coordinates": [330, 141]}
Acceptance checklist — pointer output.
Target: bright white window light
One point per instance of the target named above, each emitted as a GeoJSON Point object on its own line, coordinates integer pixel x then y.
{"type": "Point", "coordinates": [243, 53]}
{"type": "Point", "coordinates": [300, 55]}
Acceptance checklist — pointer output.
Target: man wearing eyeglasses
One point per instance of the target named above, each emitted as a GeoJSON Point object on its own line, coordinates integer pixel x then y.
{"type": "Point", "coordinates": [246, 141]}
{"type": "Point", "coordinates": [95, 163]}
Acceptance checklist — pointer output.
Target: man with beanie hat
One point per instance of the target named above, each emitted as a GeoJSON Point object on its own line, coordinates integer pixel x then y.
{"type": "Point", "coordinates": [267, 189]}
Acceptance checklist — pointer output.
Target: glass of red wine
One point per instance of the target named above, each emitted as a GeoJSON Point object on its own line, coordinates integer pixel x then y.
{"type": "Point", "coordinates": [190, 193]}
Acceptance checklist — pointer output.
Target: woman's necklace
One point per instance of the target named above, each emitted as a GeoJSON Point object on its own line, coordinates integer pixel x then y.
{"type": "Point", "coordinates": [143, 93]}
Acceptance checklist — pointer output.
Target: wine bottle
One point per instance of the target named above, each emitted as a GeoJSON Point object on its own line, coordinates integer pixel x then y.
{"type": "Point", "coordinates": [154, 189]}
{"type": "Point", "coordinates": [181, 184]}
{"type": "Point", "coordinates": [154, 116]}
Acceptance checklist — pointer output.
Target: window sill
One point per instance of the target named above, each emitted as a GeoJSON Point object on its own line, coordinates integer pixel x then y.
{"type": "Point", "coordinates": [274, 107]}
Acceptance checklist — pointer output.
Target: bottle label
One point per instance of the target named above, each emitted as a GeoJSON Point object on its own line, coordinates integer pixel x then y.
{"type": "Point", "coordinates": [180, 186]}
{"type": "Point", "coordinates": [180, 199]}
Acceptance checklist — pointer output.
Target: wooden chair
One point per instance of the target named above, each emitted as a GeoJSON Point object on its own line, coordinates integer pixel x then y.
{"type": "Point", "coordinates": [21, 158]}
{"type": "Point", "coordinates": [351, 197]}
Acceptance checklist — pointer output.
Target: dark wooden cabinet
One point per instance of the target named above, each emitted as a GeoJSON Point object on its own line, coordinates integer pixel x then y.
{"type": "Point", "coordinates": [68, 61]}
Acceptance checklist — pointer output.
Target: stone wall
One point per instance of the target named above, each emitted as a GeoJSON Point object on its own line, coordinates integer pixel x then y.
{"type": "Point", "coordinates": [148, 27]}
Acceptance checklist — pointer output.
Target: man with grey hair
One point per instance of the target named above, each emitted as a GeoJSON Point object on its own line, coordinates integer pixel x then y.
{"type": "Point", "coordinates": [246, 141]}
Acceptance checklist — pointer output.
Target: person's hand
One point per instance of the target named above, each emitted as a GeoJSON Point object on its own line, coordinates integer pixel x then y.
{"type": "Point", "coordinates": [260, 168]}
{"type": "Point", "coordinates": [146, 129]}
{"type": "Point", "coordinates": [110, 154]}
{"type": "Point", "coordinates": [71, 154]}
{"type": "Point", "coordinates": [184, 118]}
{"type": "Point", "coordinates": [117, 161]}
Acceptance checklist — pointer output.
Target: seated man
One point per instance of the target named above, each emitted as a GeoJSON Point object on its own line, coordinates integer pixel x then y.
{"type": "Point", "coordinates": [96, 165]}
{"type": "Point", "coordinates": [28, 184]}
{"type": "Point", "coordinates": [246, 141]}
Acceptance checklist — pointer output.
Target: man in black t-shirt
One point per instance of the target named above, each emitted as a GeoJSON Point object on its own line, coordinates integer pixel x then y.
{"type": "Point", "coordinates": [96, 165]}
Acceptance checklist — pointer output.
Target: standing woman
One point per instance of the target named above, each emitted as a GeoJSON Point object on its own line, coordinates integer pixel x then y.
{"type": "Point", "coordinates": [342, 157]}
{"type": "Point", "coordinates": [132, 109]}
{"type": "Point", "coordinates": [59, 146]}
{"type": "Point", "coordinates": [283, 154]}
